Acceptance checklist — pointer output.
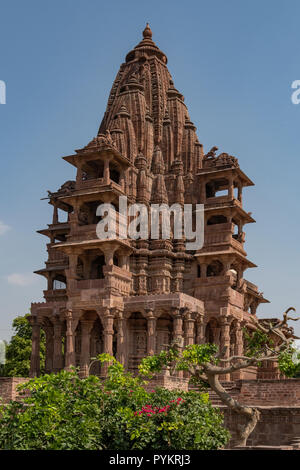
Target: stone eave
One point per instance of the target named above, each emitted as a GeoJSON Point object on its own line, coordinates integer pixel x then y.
{"type": "Point", "coordinates": [84, 155]}
{"type": "Point", "coordinates": [247, 217]}
{"type": "Point", "coordinates": [241, 174]}
{"type": "Point", "coordinates": [90, 244]}
{"type": "Point", "coordinates": [249, 263]}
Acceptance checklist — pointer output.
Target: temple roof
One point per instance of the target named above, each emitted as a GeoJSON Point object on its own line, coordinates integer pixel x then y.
{"type": "Point", "coordinates": [145, 109]}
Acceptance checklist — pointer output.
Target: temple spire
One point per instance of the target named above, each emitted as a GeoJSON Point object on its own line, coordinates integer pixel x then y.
{"type": "Point", "coordinates": [147, 33]}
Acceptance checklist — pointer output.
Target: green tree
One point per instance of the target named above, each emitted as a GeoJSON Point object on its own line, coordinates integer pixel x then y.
{"type": "Point", "coordinates": [18, 350]}
{"type": "Point", "coordinates": [64, 412]}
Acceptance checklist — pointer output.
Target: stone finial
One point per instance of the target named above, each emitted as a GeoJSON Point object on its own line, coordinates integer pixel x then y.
{"type": "Point", "coordinates": [147, 33]}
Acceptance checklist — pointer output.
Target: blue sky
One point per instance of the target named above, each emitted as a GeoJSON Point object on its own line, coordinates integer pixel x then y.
{"type": "Point", "coordinates": [234, 62]}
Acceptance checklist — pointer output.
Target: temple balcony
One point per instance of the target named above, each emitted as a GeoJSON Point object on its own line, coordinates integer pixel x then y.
{"type": "Point", "coordinates": [117, 281]}
{"type": "Point", "coordinates": [222, 201]}
{"type": "Point", "coordinates": [99, 183]}
{"type": "Point", "coordinates": [224, 234]}
{"type": "Point", "coordinates": [88, 231]}
{"type": "Point", "coordinates": [55, 295]}
{"type": "Point", "coordinates": [56, 257]}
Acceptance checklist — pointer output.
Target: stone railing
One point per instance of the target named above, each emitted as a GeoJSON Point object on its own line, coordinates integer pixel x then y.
{"type": "Point", "coordinates": [55, 295]}
{"type": "Point", "coordinates": [91, 284]}
{"type": "Point", "coordinates": [56, 256]}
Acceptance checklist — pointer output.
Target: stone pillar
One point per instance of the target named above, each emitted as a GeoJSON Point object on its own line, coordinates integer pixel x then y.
{"type": "Point", "coordinates": [108, 335]}
{"type": "Point", "coordinates": [106, 172]}
{"type": "Point", "coordinates": [238, 350]}
{"type": "Point", "coordinates": [70, 359]}
{"type": "Point", "coordinates": [178, 332]}
{"type": "Point", "coordinates": [57, 346]}
{"type": "Point", "coordinates": [189, 330]}
{"type": "Point", "coordinates": [121, 346]}
{"type": "Point", "coordinates": [86, 327]}
{"type": "Point", "coordinates": [203, 269]}
{"type": "Point", "coordinates": [79, 174]}
{"type": "Point", "coordinates": [203, 192]}
{"type": "Point", "coordinates": [35, 349]}
{"type": "Point", "coordinates": [225, 343]}
{"type": "Point", "coordinates": [122, 179]}
{"type": "Point", "coordinates": [55, 215]}
{"type": "Point", "coordinates": [49, 348]}
{"type": "Point", "coordinates": [151, 333]}
{"type": "Point", "coordinates": [73, 259]}
{"type": "Point", "coordinates": [231, 188]}
{"type": "Point", "coordinates": [200, 329]}
{"type": "Point", "coordinates": [240, 190]}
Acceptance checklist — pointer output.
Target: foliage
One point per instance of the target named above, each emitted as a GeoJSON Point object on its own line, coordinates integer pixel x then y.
{"type": "Point", "coordinates": [65, 412]}
{"type": "Point", "coordinates": [289, 362]}
{"type": "Point", "coordinates": [18, 350]}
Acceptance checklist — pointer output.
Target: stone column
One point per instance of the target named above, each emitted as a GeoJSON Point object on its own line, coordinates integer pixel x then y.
{"type": "Point", "coordinates": [86, 327]}
{"type": "Point", "coordinates": [122, 179]}
{"type": "Point", "coordinates": [239, 349]}
{"type": "Point", "coordinates": [55, 215]}
{"type": "Point", "coordinates": [79, 173]}
{"type": "Point", "coordinates": [203, 269]}
{"type": "Point", "coordinates": [35, 349]}
{"type": "Point", "coordinates": [200, 338]}
{"type": "Point", "coordinates": [57, 346]}
{"type": "Point", "coordinates": [49, 348]}
{"type": "Point", "coordinates": [189, 330]}
{"type": "Point", "coordinates": [151, 333]}
{"type": "Point", "coordinates": [225, 343]}
{"type": "Point", "coordinates": [70, 359]}
{"type": "Point", "coordinates": [106, 172]}
{"type": "Point", "coordinates": [73, 259]}
{"type": "Point", "coordinates": [203, 192]}
{"type": "Point", "coordinates": [121, 346]}
{"type": "Point", "coordinates": [178, 332]}
{"type": "Point", "coordinates": [230, 188]}
{"type": "Point", "coordinates": [108, 335]}
{"type": "Point", "coordinates": [240, 190]}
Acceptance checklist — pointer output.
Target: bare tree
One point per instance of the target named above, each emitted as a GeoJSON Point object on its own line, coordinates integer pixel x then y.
{"type": "Point", "coordinates": [206, 365]}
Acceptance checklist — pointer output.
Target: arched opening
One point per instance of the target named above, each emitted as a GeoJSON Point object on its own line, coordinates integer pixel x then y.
{"type": "Point", "coordinates": [96, 346]}
{"type": "Point", "coordinates": [97, 268]}
{"type": "Point", "coordinates": [210, 332]}
{"type": "Point", "coordinates": [217, 188]}
{"type": "Point", "coordinates": [59, 282]}
{"type": "Point", "coordinates": [217, 219]}
{"type": "Point", "coordinates": [164, 329]}
{"type": "Point", "coordinates": [137, 328]}
{"type": "Point", "coordinates": [214, 269]}
{"type": "Point", "coordinates": [114, 173]}
{"type": "Point", "coordinates": [93, 169]}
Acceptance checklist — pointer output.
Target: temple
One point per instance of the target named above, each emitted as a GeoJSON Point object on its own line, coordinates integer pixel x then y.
{"type": "Point", "coordinates": [131, 298]}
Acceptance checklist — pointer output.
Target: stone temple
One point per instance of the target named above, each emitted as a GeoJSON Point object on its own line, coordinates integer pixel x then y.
{"type": "Point", "coordinates": [131, 297]}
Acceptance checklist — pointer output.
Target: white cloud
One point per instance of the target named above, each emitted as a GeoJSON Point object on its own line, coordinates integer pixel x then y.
{"type": "Point", "coordinates": [19, 279]}
{"type": "Point", "coordinates": [4, 228]}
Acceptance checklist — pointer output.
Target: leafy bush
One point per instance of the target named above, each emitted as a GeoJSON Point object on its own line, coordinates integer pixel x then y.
{"type": "Point", "coordinates": [64, 412]}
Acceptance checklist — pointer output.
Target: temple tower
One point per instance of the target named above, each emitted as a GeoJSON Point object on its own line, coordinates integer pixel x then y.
{"type": "Point", "coordinates": [131, 297]}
